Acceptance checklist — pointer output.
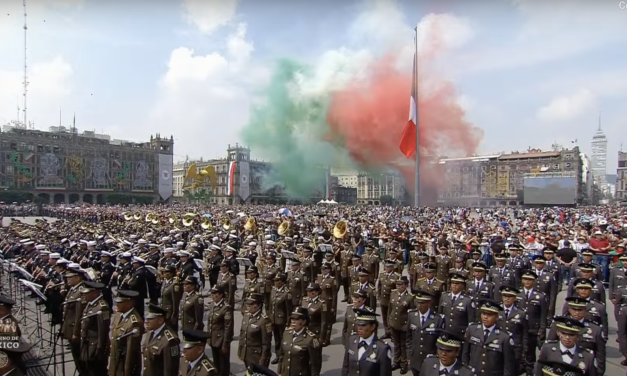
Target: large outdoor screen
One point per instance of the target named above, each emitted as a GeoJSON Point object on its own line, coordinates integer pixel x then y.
{"type": "Point", "coordinates": [550, 191]}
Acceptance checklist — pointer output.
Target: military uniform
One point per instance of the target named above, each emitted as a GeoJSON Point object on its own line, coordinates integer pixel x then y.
{"type": "Point", "coordinates": [318, 315]}
{"type": "Point", "coordinates": [280, 309]}
{"type": "Point", "coordinates": [268, 274]}
{"type": "Point", "coordinates": [515, 321]}
{"type": "Point", "coordinates": [501, 277]}
{"type": "Point", "coordinates": [400, 304]}
{"type": "Point", "coordinates": [593, 308]}
{"type": "Point", "coordinates": [71, 329]}
{"type": "Point", "coordinates": [228, 282]}
{"type": "Point", "coordinates": [170, 300]}
{"type": "Point", "coordinates": [255, 339]}
{"type": "Point", "coordinates": [301, 354]}
{"type": "Point", "coordinates": [432, 366]}
{"type": "Point", "coordinates": [434, 287]}
{"type": "Point", "coordinates": [161, 352]}
{"type": "Point", "coordinates": [297, 281]}
{"type": "Point", "coordinates": [421, 337]}
{"type": "Point", "coordinates": [125, 359]}
{"type": "Point", "coordinates": [220, 327]}
{"type": "Point", "coordinates": [444, 263]}
{"type": "Point", "coordinates": [95, 342]}
{"type": "Point", "coordinates": [371, 263]}
{"type": "Point", "coordinates": [202, 367]}
{"type": "Point", "coordinates": [489, 356]}
{"type": "Point", "coordinates": [328, 293]}
{"type": "Point", "coordinates": [191, 311]}
{"type": "Point", "coordinates": [369, 289]}
{"type": "Point", "coordinates": [457, 312]}
{"type": "Point", "coordinates": [536, 305]}
{"type": "Point", "coordinates": [479, 290]}
{"type": "Point", "coordinates": [582, 358]}
{"type": "Point", "coordinates": [254, 286]}
{"type": "Point", "coordinates": [350, 327]}
{"type": "Point", "coordinates": [385, 284]}
{"type": "Point", "coordinates": [375, 360]}
{"type": "Point", "coordinates": [592, 339]}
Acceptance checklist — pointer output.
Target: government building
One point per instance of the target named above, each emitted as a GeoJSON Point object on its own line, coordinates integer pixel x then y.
{"type": "Point", "coordinates": [64, 166]}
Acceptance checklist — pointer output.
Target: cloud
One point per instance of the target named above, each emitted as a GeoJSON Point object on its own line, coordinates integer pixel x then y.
{"type": "Point", "coordinates": [49, 85]}
{"type": "Point", "coordinates": [206, 97]}
{"type": "Point", "coordinates": [209, 15]}
{"type": "Point", "coordinates": [568, 107]}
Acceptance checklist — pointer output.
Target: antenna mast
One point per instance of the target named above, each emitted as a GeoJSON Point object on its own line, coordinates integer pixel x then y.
{"type": "Point", "coordinates": [25, 69]}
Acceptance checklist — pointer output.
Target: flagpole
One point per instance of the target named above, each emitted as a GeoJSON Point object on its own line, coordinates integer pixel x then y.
{"type": "Point", "coordinates": [417, 183]}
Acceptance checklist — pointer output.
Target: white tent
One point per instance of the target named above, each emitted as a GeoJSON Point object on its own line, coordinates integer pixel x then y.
{"type": "Point", "coordinates": [332, 202]}
{"type": "Point", "coordinates": [322, 202]}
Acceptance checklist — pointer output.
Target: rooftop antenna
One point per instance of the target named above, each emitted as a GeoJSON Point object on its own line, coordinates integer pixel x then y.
{"type": "Point", "coordinates": [599, 121]}
{"type": "Point", "coordinates": [25, 69]}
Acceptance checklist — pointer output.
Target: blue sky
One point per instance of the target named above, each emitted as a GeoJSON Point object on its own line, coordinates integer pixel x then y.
{"type": "Point", "coordinates": [528, 72]}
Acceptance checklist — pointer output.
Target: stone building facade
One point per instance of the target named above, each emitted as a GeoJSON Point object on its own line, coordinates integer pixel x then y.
{"type": "Point", "coordinates": [63, 166]}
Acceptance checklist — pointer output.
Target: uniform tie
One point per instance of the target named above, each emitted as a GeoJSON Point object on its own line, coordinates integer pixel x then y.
{"type": "Point", "coordinates": [363, 344]}
{"type": "Point", "coordinates": [568, 353]}
{"type": "Point", "coordinates": [486, 333]}
{"type": "Point", "coordinates": [444, 371]}
{"type": "Point", "coordinates": [527, 294]}
{"type": "Point", "coordinates": [422, 320]}
{"type": "Point", "coordinates": [507, 313]}
{"type": "Point", "coordinates": [454, 299]}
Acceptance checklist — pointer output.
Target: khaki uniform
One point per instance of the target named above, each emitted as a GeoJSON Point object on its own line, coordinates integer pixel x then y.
{"type": "Point", "coordinates": [371, 263]}
{"type": "Point", "coordinates": [397, 322]}
{"type": "Point", "coordinates": [369, 289]}
{"type": "Point", "coordinates": [126, 356]}
{"type": "Point", "coordinates": [229, 283]}
{"type": "Point", "coordinates": [170, 299]}
{"type": "Point", "coordinates": [255, 286]}
{"type": "Point", "coordinates": [329, 295]}
{"type": "Point", "coordinates": [255, 339]}
{"type": "Point", "coordinates": [349, 327]}
{"type": "Point", "coordinates": [71, 329]}
{"type": "Point", "coordinates": [279, 312]}
{"type": "Point", "coordinates": [268, 273]}
{"type": "Point", "coordinates": [191, 311]}
{"type": "Point", "coordinates": [301, 354]}
{"type": "Point", "coordinates": [95, 324]}
{"type": "Point", "coordinates": [202, 368]}
{"type": "Point", "coordinates": [318, 315]}
{"type": "Point", "coordinates": [443, 264]}
{"type": "Point", "coordinates": [296, 283]}
{"type": "Point", "coordinates": [220, 325]}
{"type": "Point", "coordinates": [385, 284]}
{"type": "Point", "coordinates": [161, 353]}
{"type": "Point", "coordinates": [434, 287]}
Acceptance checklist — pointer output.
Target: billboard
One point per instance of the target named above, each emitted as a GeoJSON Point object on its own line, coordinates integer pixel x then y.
{"type": "Point", "coordinates": [550, 190]}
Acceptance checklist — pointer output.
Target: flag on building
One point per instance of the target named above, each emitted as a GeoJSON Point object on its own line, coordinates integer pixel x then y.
{"type": "Point", "coordinates": [231, 181]}
{"type": "Point", "coordinates": [408, 144]}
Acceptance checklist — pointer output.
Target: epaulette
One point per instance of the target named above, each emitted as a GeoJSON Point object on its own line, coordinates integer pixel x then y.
{"type": "Point", "coordinates": [205, 363]}
{"type": "Point", "coordinates": [168, 334]}
{"type": "Point", "coordinates": [422, 279]}
{"type": "Point", "coordinates": [263, 315]}
{"type": "Point", "coordinates": [551, 341]}
{"type": "Point", "coordinates": [103, 303]}
{"type": "Point", "coordinates": [429, 356]}
{"type": "Point", "coordinates": [310, 333]}
{"type": "Point", "coordinates": [588, 350]}
{"type": "Point", "coordinates": [412, 310]}
{"type": "Point", "coordinates": [394, 290]}
{"type": "Point", "coordinates": [398, 274]}
{"type": "Point", "coordinates": [371, 285]}
{"type": "Point", "coordinates": [355, 283]}
{"type": "Point", "coordinates": [134, 319]}
{"type": "Point", "coordinates": [439, 280]}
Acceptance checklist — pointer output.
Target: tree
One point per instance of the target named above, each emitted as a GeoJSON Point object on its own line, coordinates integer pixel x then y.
{"type": "Point", "coordinates": [386, 200]}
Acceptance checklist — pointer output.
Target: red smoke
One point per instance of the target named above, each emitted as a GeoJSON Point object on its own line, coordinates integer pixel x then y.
{"type": "Point", "coordinates": [369, 116]}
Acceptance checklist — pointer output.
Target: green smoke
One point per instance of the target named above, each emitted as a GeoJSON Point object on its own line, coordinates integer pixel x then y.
{"type": "Point", "coordinates": [287, 127]}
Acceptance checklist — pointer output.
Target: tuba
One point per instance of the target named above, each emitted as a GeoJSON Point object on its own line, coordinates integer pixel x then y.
{"type": "Point", "coordinates": [128, 216]}
{"type": "Point", "coordinates": [206, 224]}
{"type": "Point", "coordinates": [250, 224]}
{"type": "Point", "coordinates": [172, 218]}
{"type": "Point", "coordinates": [226, 224]}
{"type": "Point", "coordinates": [188, 219]}
{"type": "Point", "coordinates": [152, 218]}
{"type": "Point", "coordinates": [283, 228]}
{"type": "Point", "coordinates": [137, 216]}
{"type": "Point", "coordinates": [340, 229]}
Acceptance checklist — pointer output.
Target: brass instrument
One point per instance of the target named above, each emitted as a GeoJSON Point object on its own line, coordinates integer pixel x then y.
{"type": "Point", "coordinates": [128, 216]}
{"type": "Point", "coordinates": [340, 230]}
{"type": "Point", "coordinates": [172, 218]}
{"type": "Point", "coordinates": [283, 228]}
{"type": "Point", "coordinates": [51, 285]}
{"type": "Point", "coordinates": [152, 218]}
{"type": "Point", "coordinates": [188, 219]}
{"type": "Point", "coordinates": [126, 279]}
{"type": "Point", "coordinates": [250, 224]}
{"type": "Point", "coordinates": [137, 216]}
{"type": "Point", "coordinates": [226, 224]}
{"type": "Point", "coordinates": [206, 224]}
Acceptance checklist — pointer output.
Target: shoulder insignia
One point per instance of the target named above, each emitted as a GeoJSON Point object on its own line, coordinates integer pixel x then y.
{"type": "Point", "coordinates": [422, 279]}
{"type": "Point", "coordinates": [205, 363]}
{"type": "Point", "coordinates": [174, 351]}
{"type": "Point", "coordinates": [103, 303]}
{"type": "Point", "coordinates": [398, 274]}
{"type": "Point", "coordinates": [168, 334]}
{"type": "Point", "coordinates": [176, 287]}
{"type": "Point", "coordinates": [227, 315]}
{"type": "Point", "coordinates": [439, 280]}
{"type": "Point", "coordinates": [269, 327]}
{"type": "Point", "coordinates": [550, 341]}
{"type": "Point", "coordinates": [431, 356]}
{"type": "Point", "coordinates": [263, 315]}
{"type": "Point", "coordinates": [134, 319]}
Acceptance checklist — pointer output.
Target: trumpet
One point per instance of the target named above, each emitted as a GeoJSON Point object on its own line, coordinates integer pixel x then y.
{"type": "Point", "coordinates": [51, 285]}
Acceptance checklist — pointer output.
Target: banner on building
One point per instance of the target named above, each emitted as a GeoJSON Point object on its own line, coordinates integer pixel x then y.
{"type": "Point", "coordinates": [231, 177]}
{"type": "Point", "coordinates": [166, 164]}
{"type": "Point", "coordinates": [244, 180]}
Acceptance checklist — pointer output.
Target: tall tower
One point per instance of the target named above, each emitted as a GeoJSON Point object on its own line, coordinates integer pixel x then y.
{"type": "Point", "coordinates": [598, 158]}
